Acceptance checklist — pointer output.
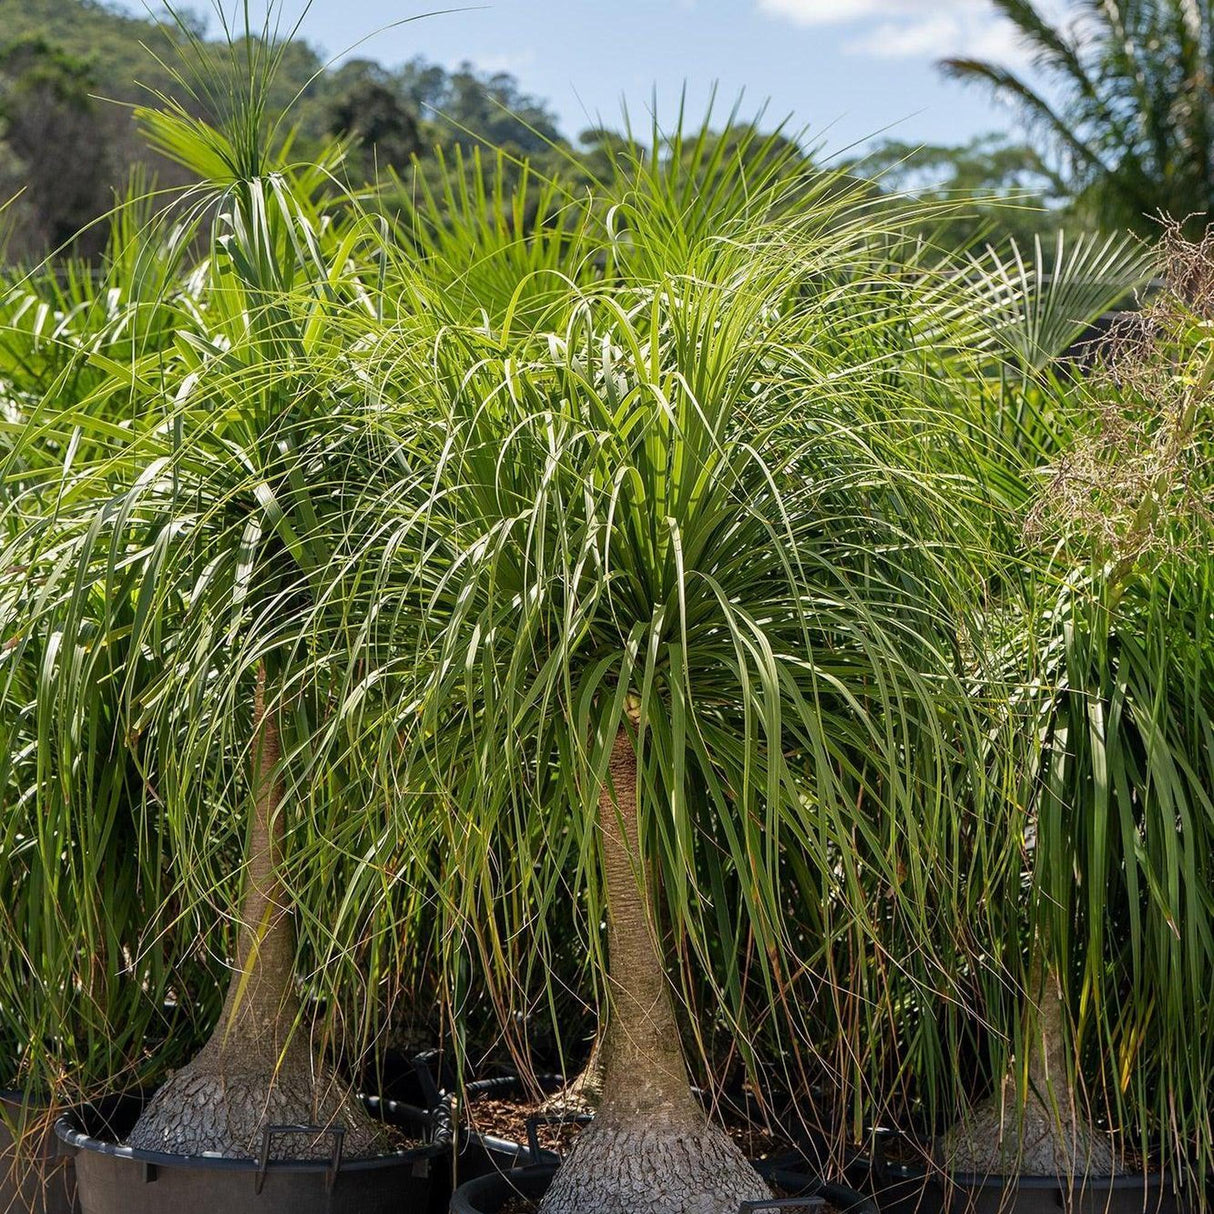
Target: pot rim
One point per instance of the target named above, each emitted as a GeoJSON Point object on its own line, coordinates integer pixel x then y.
{"type": "Point", "coordinates": [74, 1138]}
{"type": "Point", "coordinates": [1027, 1180]}
{"type": "Point", "coordinates": [1030, 1180]}
{"type": "Point", "coordinates": [509, 1083]}
{"type": "Point", "coordinates": [507, 1146]}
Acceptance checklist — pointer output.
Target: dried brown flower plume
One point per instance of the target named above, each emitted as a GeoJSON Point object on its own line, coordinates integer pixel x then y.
{"type": "Point", "coordinates": [1136, 481]}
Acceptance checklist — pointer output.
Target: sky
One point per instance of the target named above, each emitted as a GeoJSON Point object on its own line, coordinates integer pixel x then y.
{"type": "Point", "coordinates": [847, 71]}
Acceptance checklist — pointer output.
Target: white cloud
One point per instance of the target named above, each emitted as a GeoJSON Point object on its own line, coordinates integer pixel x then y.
{"type": "Point", "coordinates": [932, 35]}
{"type": "Point", "coordinates": [830, 12]}
{"type": "Point", "coordinates": [904, 29]}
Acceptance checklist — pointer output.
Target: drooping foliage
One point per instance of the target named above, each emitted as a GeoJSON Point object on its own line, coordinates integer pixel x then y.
{"type": "Point", "coordinates": [707, 429]}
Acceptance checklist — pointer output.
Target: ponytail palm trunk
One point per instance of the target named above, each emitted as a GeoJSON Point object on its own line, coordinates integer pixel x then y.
{"type": "Point", "coordinates": [650, 1144]}
{"type": "Point", "coordinates": [1036, 1123]}
{"type": "Point", "coordinates": [254, 1070]}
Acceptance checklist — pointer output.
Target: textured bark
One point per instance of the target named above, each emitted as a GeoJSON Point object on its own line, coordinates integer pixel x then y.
{"type": "Point", "coordinates": [637, 1169]}
{"type": "Point", "coordinates": [1051, 1135]}
{"type": "Point", "coordinates": [650, 1148]}
{"type": "Point", "coordinates": [253, 1071]}
{"type": "Point", "coordinates": [583, 1093]}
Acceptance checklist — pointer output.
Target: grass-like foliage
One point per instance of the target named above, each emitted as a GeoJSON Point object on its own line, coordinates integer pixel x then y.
{"type": "Point", "coordinates": [901, 620]}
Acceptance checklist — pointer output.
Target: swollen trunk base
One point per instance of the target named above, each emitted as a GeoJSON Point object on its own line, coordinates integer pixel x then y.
{"type": "Point", "coordinates": [216, 1108]}
{"type": "Point", "coordinates": [997, 1138]}
{"type": "Point", "coordinates": [254, 1072]}
{"type": "Point", "coordinates": [653, 1170]}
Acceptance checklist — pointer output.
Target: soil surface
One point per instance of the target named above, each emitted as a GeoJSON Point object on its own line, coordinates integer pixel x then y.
{"type": "Point", "coordinates": [507, 1118]}
{"type": "Point", "coordinates": [401, 1140]}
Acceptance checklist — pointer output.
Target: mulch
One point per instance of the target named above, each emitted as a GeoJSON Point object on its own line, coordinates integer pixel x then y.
{"type": "Point", "coordinates": [505, 1117]}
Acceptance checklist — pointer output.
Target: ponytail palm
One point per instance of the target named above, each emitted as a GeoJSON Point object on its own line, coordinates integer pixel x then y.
{"type": "Point", "coordinates": [100, 962]}
{"type": "Point", "coordinates": [188, 513]}
{"type": "Point", "coordinates": [1121, 886]}
{"type": "Point", "coordinates": [99, 984]}
{"type": "Point", "coordinates": [678, 588]}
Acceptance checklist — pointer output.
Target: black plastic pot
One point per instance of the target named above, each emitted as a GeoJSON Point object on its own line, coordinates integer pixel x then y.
{"type": "Point", "coordinates": [963, 1193]}
{"type": "Point", "coordinates": [487, 1194]}
{"type": "Point", "coordinates": [896, 1188]}
{"type": "Point", "coordinates": [903, 1189]}
{"type": "Point", "coordinates": [790, 1172]}
{"type": "Point", "coordinates": [113, 1179]}
{"type": "Point", "coordinates": [906, 1188]}
{"type": "Point", "coordinates": [418, 1079]}
{"type": "Point", "coordinates": [37, 1180]}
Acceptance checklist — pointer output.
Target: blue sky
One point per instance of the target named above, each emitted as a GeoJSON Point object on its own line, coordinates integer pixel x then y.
{"type": "Point", "coordinates": [848, 69]}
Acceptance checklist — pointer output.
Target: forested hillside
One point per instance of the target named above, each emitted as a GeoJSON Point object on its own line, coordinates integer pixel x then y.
{"type": "Point", "coordinates": [71, 71]}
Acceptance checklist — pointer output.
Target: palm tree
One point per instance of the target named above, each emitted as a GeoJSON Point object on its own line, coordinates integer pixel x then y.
{"type": "Point", "coordinates": [666, 591]}
{"type": "Point", "coordinates": [1126, 104]}
{"type": "Point", "coordinates": [182, 527]}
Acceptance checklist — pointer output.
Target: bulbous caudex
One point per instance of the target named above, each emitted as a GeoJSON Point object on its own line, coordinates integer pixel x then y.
{"type": "Point", "coordinates": [256, 1070]}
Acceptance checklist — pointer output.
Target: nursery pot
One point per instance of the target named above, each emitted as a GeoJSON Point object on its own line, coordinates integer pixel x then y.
{"type": "Point", "coordinates": [911, 1188]}
{"type": "Point", "coordinates": [896, 1186]}
{"type": "Point", "coordinates": [41, 1182]}
{"type": "Point", "coordinates": [417, 1079]}
{"type": "Point", "coordinates": [966, 1193]}
{"type": "Point", "coordinates": [113, 1179]}
{"type": "Point", "coordinates": [488, 1194]}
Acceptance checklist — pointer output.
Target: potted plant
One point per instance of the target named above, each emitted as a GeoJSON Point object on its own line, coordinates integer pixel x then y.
{"type": "Point", "coordinates": [1062, 953]}
{"type": "Point", "coordinates": [191, 521]}
{"type": "Point", "coordinates": [1116, 952]}
{"type": "Point", "coordinates": [1036, 1131]}
{"type": "Point", "coordinates": [664, 589]}
{"type": "Point", "coordinates": [504, 246]}
{"type": "Point", "coordinates": [100, 990]}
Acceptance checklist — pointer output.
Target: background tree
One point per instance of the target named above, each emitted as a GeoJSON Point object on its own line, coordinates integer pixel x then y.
{"type": "Point", "coordinates": [57, 147]}
{"type": "Point", "coordinates": [79, 55]}
{"type": "Point", "coordinates": [1003, 189]}
{"type": "Point", "coordinates": [1124, 110]}
{"type": "Point", "coordinates": [469, 106]}
{"type": "Point", "coordinates": [369, 105]}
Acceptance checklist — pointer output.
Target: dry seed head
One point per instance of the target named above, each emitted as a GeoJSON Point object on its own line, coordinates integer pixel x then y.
{"type": "Point", "coordinates": [1135, 482]}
